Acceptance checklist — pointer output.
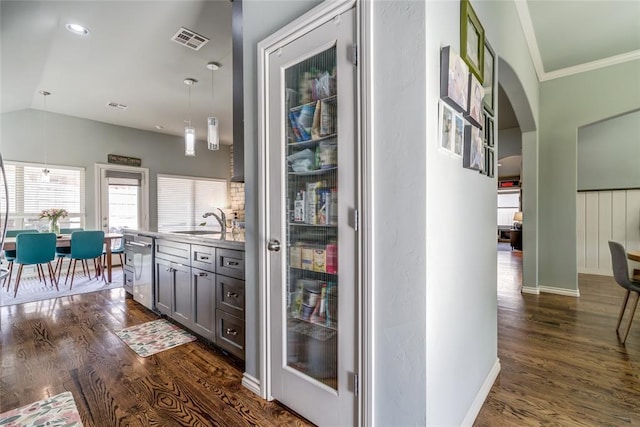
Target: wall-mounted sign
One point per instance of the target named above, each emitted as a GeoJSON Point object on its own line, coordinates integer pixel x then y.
{"type": "Point", "coordinates": [507, 184]}
{"type": "Point", "coordinates": [123, 160]}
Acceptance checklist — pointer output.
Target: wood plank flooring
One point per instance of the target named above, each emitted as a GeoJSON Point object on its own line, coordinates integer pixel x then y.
{"type": "Point", "coordinates": [562, 363]}
{"type": "Point", "coordinates": [68, 343]}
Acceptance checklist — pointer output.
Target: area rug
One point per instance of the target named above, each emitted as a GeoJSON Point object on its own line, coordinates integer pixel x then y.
{"type": "Point", "coordinates": [31, 289]}
{"type": "Point", "coordinates": [59, 410]}
{"type": "Point", "coordinates": [153, 337]}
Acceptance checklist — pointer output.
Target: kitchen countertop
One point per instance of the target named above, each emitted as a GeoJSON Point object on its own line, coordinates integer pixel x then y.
{"type": "Point", "coordinates": [201, 239]}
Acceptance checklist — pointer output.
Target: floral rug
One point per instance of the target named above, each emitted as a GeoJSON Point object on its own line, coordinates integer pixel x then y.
{"type": "Point", "coordinates": [153, 337]}
{"type": "Point", "coordinates": [59, 410]}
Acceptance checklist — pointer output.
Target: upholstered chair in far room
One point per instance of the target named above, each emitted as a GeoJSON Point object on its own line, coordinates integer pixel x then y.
{"type": "Point", "coordinates": [621, 274]}
{"type": "Point", "coordinates": [10, 256]}
{"type": "Point", "coordinates": [86, 245]}
{"type": "Point", "coordinates": [35, 249]}
{"type": "Point", "coordinates": [64, 251]}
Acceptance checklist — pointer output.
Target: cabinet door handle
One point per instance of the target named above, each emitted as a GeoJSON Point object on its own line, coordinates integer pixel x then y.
{"type": "Point", "coordinates": [232, 332]}
{"type": "Point", "coordinates": [273, 245]}
{"type": "Point", "coordinates": [232, 263]}
{"type": "Point", "coordinates": [203, 274]}
{"type": "Point", "coordinates": [204, 257]}
{"type": "Point", "coordinates": [232, 294]}
{"type": "Point", "coordinates": [169, 269]}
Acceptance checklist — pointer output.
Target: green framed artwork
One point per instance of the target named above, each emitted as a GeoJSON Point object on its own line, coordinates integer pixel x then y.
{"type": "Point", "coordinates": [471, 40]}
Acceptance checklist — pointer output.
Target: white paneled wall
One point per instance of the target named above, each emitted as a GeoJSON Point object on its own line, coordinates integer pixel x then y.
{"type": "Point", "coordinates": [604, 216]}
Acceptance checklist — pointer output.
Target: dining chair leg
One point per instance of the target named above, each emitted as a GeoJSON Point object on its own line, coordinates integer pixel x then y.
{"type": "Point", "coordinates": [84, 269]}
{"type": "Point", "coordinates": [633, 311]}
{"type": "Point", "coordinates": [7, 278]}
{"type": "Point", "coordinates": [121, 261]}
{"type": "Point", "coordinates": [58, 268]}
{"type": "Point", "coordinates": [73, 273]}
{"type": "Point", "coordinates": [68, 271]}
{"type": "Point", "coordinates": [104, 277]}
{"type": "Point", "coordinates": [18, 276]}
{"type": "Point", "coordinates": [39, 273]}
{"type": "Point", "coordinates": [52, 276]}
{"type": "Point", "coordinates": [624, 306]}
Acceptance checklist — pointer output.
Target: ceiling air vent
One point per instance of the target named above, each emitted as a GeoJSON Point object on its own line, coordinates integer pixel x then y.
{"type": "Point", "coordinates": [189, 38]}
{"type": "Point", "coordinates": [117, 106]}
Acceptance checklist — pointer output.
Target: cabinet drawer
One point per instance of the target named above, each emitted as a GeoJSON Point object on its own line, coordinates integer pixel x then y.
{"type": "Point", "coordinates": [203, 257]}
{"type": "Point", "coordinates": [230, 333]}
{"type": "Point", "coordinates": [173, 251]}
{"type": "Point", "coordinates": [230, 263]}
{"type": "Point", "coordinates": [127, 279]}
{"type": "Point", "coordinates": [230, 295]}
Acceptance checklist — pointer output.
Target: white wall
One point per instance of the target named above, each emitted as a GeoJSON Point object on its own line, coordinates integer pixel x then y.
{"type": "Point", "coordinates": [73, 141]}
{"type": "Point", "coordinates": [603, 216]}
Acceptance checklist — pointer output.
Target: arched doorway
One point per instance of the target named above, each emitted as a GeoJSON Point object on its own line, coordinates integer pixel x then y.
{"type": "Point", "coordinates": [514, 91]}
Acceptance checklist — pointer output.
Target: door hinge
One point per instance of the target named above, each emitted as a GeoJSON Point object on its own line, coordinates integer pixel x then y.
{"type": "Point", "coordinates": [355, 384]}
{"type": "Point", "coordinates": [354, 54]}
{"type": "Point", "coordinates": [354, 219]}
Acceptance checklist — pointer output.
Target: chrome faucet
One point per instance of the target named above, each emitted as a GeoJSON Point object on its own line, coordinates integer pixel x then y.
{"type": "Point", "coordinates": [222, 220]}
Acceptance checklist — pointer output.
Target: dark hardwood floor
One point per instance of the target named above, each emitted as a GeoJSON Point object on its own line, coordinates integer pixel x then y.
{"type": "Point", "coordinates": [52, 346]}
{"type": "Point", "coordinates": [562, 363]}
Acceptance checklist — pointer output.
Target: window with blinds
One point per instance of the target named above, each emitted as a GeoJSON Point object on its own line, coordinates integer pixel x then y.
{"type": "Point", "coordinates": [182, 200]}
{"type": "Point", "coordinates": [29, 195]}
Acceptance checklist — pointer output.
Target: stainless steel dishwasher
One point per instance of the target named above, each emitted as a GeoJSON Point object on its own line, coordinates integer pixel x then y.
{"type": "Point", "coordinates": [138, 269]}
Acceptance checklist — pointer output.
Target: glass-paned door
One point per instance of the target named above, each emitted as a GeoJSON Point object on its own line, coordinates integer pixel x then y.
{"type": "Point", "coordinates": [312, 165]}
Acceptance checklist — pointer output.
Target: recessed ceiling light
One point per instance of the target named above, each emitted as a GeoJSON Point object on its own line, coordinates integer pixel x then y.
{"type": "Point", "coordinates": [499, 164]}
{"type": "Point", "coordinates": [159, 127]}
{"type": "Point", "coordinates": [77, 29]}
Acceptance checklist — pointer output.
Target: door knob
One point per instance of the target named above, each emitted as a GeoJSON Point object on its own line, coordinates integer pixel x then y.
{"type": "Point", "coordinates": [273, 245]}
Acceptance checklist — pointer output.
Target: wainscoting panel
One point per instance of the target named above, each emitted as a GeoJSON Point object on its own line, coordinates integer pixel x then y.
{"type": "Point", "coordinates": [602, 216]}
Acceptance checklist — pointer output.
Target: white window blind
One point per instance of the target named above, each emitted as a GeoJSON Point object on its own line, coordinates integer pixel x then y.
{"type": "Point", "coordinates": [182, 200]}
{"type": "Point", "coordinates": [508, 204]}
{"type": "Point", "coordinates": [29, 195]}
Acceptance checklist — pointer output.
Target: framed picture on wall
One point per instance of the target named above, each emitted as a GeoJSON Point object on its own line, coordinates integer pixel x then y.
{"type": "Point", "coordinates": [445, 127]}
{"type": "Point", "coordinates": [458, 134]}
{"type": "Point", "coordinates": [489, 78]}
{"type": "Point", "coordinates": [473, 149]}
{"type": "Point", "coordinates": [488, 131]}
{"type": "Point", "coordinates": [474, 112]}
{"type": "Point", "coordinates": [454, 79]}
{"type": "Point", "coordinates": [490, 162]}
{"type": "Point", "coordinates": [471, 40]}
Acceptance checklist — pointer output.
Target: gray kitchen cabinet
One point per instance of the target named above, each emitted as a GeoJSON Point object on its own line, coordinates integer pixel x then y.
{"type": "Point", "coordinates": [182, 297]}
{"type": "Point", "coordinates": [163, 286]}
{"type": "Point", "coordinates": [230, 319]}
{"type": "Point", "coordinates": [203, 285]}
{"type": "Point", "coordinates": [173, 280]}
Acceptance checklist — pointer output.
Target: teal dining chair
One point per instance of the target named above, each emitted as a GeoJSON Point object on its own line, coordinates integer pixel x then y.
{"type": "Point", "coordinates": [86, 245]}
{"type": "Point", "coordinates": [65, 251]}
{"type": "Point", "coordinates": [10, 255]}
{"type": "Point", "coordinates": [35, 249]}
{"type": "Point", "coordinates": [119, 250]}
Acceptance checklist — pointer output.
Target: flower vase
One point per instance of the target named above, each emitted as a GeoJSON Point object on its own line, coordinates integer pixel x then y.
{"type": "Point", "coordinates": [54, 227]}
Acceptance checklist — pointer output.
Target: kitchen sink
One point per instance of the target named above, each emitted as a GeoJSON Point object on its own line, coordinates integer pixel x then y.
{"type": "Point", "coordinates": [196, 232]}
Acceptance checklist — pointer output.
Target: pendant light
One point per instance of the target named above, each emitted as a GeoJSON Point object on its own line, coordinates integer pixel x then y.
{"type": "Point", "coordinates": [189, 131]}
{"type": "Point", "coordinates": [213, 138]}
{"type": "Point", "coordinates": [45, 171]}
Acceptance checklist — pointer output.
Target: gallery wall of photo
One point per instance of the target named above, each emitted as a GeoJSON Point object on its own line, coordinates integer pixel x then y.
{"type": "Point", "coordinates": [467, 94]}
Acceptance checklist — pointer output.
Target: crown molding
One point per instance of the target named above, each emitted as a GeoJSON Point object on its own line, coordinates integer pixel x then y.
{"type": "Point", "coordinates": [527, 27]}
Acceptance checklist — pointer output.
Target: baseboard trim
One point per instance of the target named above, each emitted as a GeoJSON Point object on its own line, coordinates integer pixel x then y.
{"type": "Point", "coordinates": [530, 290]}
{"type": "Point", "coordinates": [474, 410]}
{"type": "Point", "coordinates": [251, 383]}
{"type": "Point", "coordinates": [560, 291]}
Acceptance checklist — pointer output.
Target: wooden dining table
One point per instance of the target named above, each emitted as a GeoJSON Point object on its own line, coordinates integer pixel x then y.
{"type": "Point", "coordinates": [633, 255]}
{"type": "Point", "coordinates": [64, 240]}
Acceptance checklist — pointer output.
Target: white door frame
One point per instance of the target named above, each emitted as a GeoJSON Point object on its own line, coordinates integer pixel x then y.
{"type": "Point", "coordinates": [100, 168]}
{"type": "Point", "coordinates": [365, 294]}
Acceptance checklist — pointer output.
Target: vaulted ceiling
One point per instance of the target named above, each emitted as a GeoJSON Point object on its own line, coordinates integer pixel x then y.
{"type": "Point", "coordinates": [129, 59]}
